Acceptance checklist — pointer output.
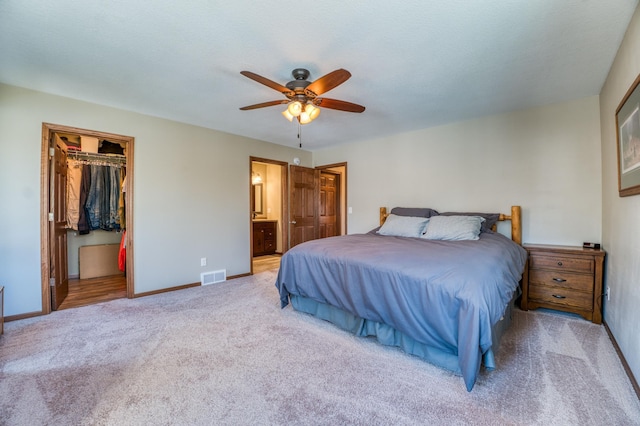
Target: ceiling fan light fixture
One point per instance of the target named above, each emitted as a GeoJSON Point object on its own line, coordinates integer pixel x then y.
{"type": "Point", "coordinates": [287, 115]}
{"type": "Point", "coordinates": [312, 110]}
{"type": "Point", "coordinates": [304, 118]}
{"type": "Point", "coordinates": [295, 108]}
{"type": "Point", "coordinates": [303, 101]}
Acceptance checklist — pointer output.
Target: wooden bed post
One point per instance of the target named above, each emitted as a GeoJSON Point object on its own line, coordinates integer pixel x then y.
{"type": "Point", "coordinates": [516, 224]}
{"type": "Point", "coordinates": [383, 215]}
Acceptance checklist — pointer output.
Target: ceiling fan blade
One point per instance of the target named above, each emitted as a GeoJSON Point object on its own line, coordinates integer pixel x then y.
{"type": "Point", "coordinates": [264, 104]}
{"type": "Point", "coordinates": [260, 79]}
{"type": "Point", "coordinates": [339, 105]}
{"type": "Point", "coordinates": [327, 82]}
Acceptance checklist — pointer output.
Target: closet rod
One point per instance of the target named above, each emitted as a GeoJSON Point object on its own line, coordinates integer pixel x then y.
{"type": "Point", "coordinates": [83, 155]}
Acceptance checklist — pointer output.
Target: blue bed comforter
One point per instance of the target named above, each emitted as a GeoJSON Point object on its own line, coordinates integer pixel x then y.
{"type": "Point", "coordinates": [445, 294]}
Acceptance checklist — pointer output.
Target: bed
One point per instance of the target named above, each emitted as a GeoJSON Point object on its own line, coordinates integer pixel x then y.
{"type": "Point", "coordinates": [445, 301]}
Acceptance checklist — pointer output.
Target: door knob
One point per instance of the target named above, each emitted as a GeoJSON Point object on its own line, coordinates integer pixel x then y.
{"type": "Point", "coordinates": [293, 222]}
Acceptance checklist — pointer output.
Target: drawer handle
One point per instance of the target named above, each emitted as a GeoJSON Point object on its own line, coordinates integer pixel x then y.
{"type": "Point", "coordinates": [557, 296]}
{"type": "Point", "coordinates": [559, 263]}
{"type": "Point", "coordinates": [559, 280]}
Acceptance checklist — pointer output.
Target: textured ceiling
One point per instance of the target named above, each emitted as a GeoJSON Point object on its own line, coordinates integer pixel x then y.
{"type": "Point", "coordinates": [414, 64]}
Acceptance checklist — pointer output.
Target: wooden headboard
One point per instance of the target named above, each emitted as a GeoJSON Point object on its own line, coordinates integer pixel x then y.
{"type": "Point", "coordinates": [514, 217]}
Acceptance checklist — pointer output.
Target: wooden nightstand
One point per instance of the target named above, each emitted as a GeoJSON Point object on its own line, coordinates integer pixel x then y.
{"type": "Point", "coordinates": [565, 278]}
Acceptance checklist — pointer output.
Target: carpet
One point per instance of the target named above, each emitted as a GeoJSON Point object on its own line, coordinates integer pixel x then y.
{"type": "Point", "coordinates": [226, 354]}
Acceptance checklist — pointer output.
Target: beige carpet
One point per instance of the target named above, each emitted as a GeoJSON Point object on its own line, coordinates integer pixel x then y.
{"type": "Point", "coordinates": [226, 354]}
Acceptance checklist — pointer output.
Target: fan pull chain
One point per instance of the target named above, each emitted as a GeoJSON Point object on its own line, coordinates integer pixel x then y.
{"type": "Point", "coordinates": [300, 135]}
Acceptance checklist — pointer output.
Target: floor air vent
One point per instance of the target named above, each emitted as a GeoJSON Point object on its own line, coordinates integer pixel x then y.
{"type": "Point", "coordinates": [213, 277]}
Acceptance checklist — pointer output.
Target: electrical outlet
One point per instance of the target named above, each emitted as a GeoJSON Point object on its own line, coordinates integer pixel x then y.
{"type": "Point", "coordinates": [608, 293]}
{"type": "Point", "coordinates": [203, 261]}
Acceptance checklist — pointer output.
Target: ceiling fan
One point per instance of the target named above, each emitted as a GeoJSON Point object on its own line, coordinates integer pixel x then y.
{"type": "Point", "coordinates": [303, 96]}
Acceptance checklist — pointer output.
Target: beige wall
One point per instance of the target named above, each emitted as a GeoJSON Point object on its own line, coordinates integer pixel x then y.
{"type": "Point", "coordinates": [621, 216]}
{"type": "Point", "coordinates": [545, 159]}
{"type": "Point", "coordinates": [191, 193]}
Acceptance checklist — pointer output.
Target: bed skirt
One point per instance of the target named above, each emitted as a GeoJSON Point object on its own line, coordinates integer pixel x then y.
{"type": "Point", "coordinates": [389, 336]}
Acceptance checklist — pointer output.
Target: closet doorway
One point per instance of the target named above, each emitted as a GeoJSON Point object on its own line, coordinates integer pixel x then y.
{"type": "Point", "coordinates": [317, 202]}
{"type": "Point", "coordinates": [268, 200]}
{"type": "Point", "coordinates": [77, 263]}
{"type": "Point", "coordinates": [333, 200]}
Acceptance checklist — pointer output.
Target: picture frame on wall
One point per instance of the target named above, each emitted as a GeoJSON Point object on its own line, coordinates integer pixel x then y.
{"type": "Point", "coordinates": [628, 141]}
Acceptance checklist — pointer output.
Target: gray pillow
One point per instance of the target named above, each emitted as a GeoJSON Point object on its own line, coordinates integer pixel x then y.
{"type": "Point", "coordinates": [403, 226]}
{"type": "Point", "coordinates": [490, 219]}
{"type": "Point", "coordinates": [413, 211]}
{"type": "Point", "coordinates": [453, 228]}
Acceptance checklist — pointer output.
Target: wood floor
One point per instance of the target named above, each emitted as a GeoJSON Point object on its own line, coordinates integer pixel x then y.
{"type": "Point", "coordinates": [266, 263]}
{"type": "Point", "coordinates": [94, 290]}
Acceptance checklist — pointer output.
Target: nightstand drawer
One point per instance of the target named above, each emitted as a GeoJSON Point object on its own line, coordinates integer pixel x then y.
{"type": "Point", "coordinates": [561, 263]}
{"type": "Point", "coordinates": [561, 279]}
{"type": "Point", "coordinates": [561, 296]}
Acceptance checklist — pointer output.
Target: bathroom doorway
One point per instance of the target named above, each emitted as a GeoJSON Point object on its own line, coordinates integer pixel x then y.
{"type": "Point", "coordinates": [268, 200]}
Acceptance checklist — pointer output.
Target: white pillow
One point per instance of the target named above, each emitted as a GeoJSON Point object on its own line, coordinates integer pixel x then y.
{"type": "Point", "coordinates": [453, 228]}
{"type": "Point", "coordinates": [403, 226]}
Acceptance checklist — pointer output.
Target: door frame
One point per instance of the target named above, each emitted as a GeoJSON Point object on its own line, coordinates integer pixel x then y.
{"type": "Point", "coordinates": [45, 192]}
{"type": "Point", "coordinates": [344, 186]}
{"type": "Point", "coordinates": [284, 209]}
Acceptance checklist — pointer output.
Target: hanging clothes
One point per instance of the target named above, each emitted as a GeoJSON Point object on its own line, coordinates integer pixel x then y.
{"type": "Point", "coordinates": [121, 200]}
{"type": "Point", "coordinates": [95, 200]}
{"type": "Point", "coordinates": [85, 187]}
{"type": "Point", "coordinates": [99, 199]}
{"type": "Point", "coordinates": [112, 215]}
{"type": "Point", "coordinates": [74, 179]}
{"type": "Point", "coordinates": [103, 200]}
{"type": "Point", "coordinates": [122, 253]}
